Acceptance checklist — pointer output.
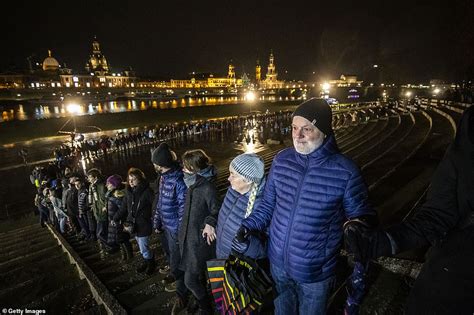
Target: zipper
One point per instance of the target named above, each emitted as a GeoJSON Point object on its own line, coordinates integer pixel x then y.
{"type": "Point", "coordinates": [292, 217]}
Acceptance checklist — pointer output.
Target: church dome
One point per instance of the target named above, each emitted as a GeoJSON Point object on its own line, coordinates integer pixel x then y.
{"type": "Point", "coordinates": [50, 63]}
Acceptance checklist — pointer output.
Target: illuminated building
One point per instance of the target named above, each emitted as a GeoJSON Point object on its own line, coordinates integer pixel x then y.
{"type": "Point", "coordinates": [346, 81]}
{"type": "Point", "coordinates": [271, 79]}
{"type": "Point", "coordinates": [50, 63]}
{"type": "Point", "coordinates": [258, 72]}
{"type": "Point", "coordinates": [50, 74]}
{"type": "Point", "coordinates": [206, 81]}
{"type": "Point", "coordinates": [97, 63]}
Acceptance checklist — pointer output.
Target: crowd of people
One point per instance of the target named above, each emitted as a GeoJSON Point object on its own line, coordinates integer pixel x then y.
{"type": "Point", "coordinates": [268, 125]}
{"type": "Point", "coordinates": [293, 218]}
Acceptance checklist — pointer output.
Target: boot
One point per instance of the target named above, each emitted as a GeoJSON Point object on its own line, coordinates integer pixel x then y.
{"type": "Point", "coordinates": [205, 306]}
{"type": "Point", "coordinates": [123, 252]}
{"type": "Point", "coordinates": [150, 268]}
{"type": "Point", "coordinates": [143, 266]}
{"type": "Point", "coordinates": [102, 250]}
{"type": "Point", "coordinates": [128, 250]}
{"type": "Point", "coordinates": [178, 305]}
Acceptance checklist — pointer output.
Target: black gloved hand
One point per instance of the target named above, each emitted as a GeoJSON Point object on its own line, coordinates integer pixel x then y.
{"type": "Point", "coordinates": [240, 247]}
{"type": "Point", "coordinates": [242, 234]}
{"type": "Point", "coordinates": [365, 243]}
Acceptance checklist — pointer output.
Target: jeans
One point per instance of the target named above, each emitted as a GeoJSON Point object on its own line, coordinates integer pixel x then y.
{"type": "Point", "coordinates": [44, 214]}
{"type": "Point", "coordinates": [101, 231]}
{"type": "Point", "coordinates": [62, 224]}
{"type": "Point", "coordinates": [143, 246]}
{"type": "Point", "coordinates": [175, 256]}
{"type": "Point", "coordinates": [84, 223]}
{"type": "Point", "coordinates": [300, 298]}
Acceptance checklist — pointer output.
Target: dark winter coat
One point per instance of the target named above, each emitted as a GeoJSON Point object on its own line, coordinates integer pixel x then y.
{"type": "Point", "coordinates": [136, 205]}
{"type": "Point", "coordinates": [306, 201]}
{"type": "Point", "coordinates": [114, 203]}
{"type": "Point", "coordinates": [231, 214]}
{"type": "Point", "coordinates": [446, 221]}
{"type": "Point", "coordinates": [97, 200]}
{"type": "Point", "coordinates": [70, 201]}
{"type": "Point", "coordinates": [201, 208]}
{"type": "Point", "coordinates": [170, 206]}
{"type": "Point", "coordinates": [84, 209]}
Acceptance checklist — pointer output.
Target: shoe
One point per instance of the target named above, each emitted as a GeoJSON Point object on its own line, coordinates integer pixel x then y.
{"type": "Point", "coordinates": [113, 249]}
{"type": "Point", "coordinates": [205, 306]}
{"type": "Point", "coordinates": [170, 287]}
{"type": "Point", "coordinates": [193, 306]}
{"type": "Point", "coordinates": [178, 305]}
{"type": "Point", "coordinates": [151, 265]}
{"type": "Point", "coordinates": [164, 270]}
{"type": "Point", "coordinates": [142, 267]}
{"type": "Point", "coordinates": [168, 279]}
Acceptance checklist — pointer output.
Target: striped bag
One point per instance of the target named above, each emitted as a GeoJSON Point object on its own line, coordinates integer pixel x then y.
{"type": "Point", "coordinates": [238, 285]}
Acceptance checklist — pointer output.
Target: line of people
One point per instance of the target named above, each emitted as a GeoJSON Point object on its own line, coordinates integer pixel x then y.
{"type": "Point", "coordinates": [293, 218]}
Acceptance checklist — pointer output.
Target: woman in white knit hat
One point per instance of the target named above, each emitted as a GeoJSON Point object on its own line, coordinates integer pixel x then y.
{"type": "Point", "coordinates": [244, 194]}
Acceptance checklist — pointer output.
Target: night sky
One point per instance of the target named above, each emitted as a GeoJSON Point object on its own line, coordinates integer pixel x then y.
{"type": "Point", "coordinates": [410, 42]}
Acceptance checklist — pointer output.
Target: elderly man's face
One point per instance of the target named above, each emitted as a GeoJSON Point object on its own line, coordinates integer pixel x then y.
{"type": "Point", "coordinates": [306, 137]}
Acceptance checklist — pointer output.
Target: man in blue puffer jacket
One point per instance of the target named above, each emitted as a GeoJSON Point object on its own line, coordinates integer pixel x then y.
{"type": "Point", "coordinates": [170, 205]}
{"type": "Point", "coordinates": [312, 189]}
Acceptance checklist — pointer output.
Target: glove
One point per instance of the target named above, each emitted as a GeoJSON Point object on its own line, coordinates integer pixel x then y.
{"type": "Point", "coordinates": [242, 234]}
{"type": "Point", "coordinates": [365, 243]}
{"type": "Point", "coordinates": [240, 247]}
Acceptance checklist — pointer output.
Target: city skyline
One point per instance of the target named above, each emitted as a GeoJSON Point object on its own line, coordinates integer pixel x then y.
{"type": "Point", "coordinates": [408, 42]}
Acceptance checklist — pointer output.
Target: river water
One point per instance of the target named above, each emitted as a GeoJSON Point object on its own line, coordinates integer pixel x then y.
{"type": "Point", "coordinates": [30, 110]}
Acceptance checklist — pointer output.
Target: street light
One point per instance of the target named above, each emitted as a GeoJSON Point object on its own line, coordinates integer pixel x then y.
{"type": "Point", "coordinates": [250, 98]}
{"type": "Point", "coordinates": [74, 109]}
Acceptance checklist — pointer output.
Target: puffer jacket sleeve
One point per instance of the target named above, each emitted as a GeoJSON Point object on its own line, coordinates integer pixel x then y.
{"type": "Point", "coordinates": [261, 216]}
{"type": "Point", "coordinates": [157, 222]}
{"type": "Point", "coordinates": [122, 211]}
{"type": "Point", "coordinates": [356, 196]}
{"type": "Point", "coordinates": [181, 197]}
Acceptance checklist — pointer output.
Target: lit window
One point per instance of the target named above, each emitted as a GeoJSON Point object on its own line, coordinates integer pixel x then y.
{"type": "Point", "coordinates": [88, 84]}
{"type": "Point", "coordinates": [75, 79]}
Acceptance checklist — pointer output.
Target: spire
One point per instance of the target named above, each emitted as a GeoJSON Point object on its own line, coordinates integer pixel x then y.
{"type": "Point", "coordinates": [49, 53]}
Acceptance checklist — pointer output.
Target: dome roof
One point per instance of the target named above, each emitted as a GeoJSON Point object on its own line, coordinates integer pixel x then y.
{"type": "Point", "coordinates": [50, 63]}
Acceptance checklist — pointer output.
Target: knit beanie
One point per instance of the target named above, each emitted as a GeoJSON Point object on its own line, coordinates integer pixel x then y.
{"type": "Point", "coordinates": [250, 166]}
{"type": "Point", "coordinates": [318, 112]}
{"type": "Point", "coordinates": [162, 156]}
{"type": "Point", "coordinates": [115, 180]}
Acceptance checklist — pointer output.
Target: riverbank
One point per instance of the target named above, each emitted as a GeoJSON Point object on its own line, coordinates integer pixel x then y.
{"type": "Point", "coordinates": [17, 131]}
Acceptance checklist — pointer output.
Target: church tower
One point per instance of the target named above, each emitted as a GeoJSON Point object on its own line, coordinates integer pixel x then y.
{"type": "Point", "coordinates": [97, 62]}
{"type": "Point", "coordinates": [271, 72]}
{"type": "Point", "coordinates": [231, 74]}
{"type": "Point", "coordinates": [258, 72]}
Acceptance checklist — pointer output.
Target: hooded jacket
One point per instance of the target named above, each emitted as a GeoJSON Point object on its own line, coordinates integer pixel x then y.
{"type": "Point", "coordinates": [306, 201]}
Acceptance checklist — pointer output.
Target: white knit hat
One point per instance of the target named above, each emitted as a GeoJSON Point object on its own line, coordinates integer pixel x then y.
{"type": "Point", "coordinates": [250, 166]}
